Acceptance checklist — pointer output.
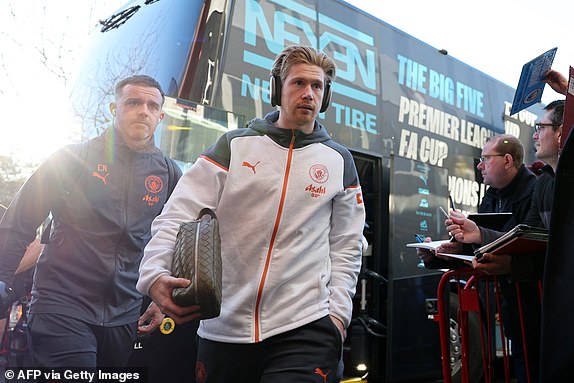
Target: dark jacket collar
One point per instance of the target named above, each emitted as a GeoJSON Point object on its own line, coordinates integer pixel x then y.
{"type": "Point", "coordinates": [283, 136]}
{"type": "Point", "coordinates": [548, 170]}
{"type": "Point", "coordinates": [516, 187]}
{"type": "Point", "coordinates": [115, 140]}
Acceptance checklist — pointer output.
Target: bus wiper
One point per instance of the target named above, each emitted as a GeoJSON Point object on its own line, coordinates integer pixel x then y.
{"type": "Point", "coordinates": [118, 19]}
{"type": "Point", "coordinates": [148, 2]}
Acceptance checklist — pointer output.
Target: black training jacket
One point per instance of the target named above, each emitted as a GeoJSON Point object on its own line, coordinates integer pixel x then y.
{"type": "Point", "coordinates": [103, 197]}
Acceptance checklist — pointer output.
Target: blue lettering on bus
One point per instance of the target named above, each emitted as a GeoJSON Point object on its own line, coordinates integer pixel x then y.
{"type": "Point", "coordinates": [257, 89]}
{"type": "Point", "coordinates": [354, 118]}
{"type": "Point", "coordinates": [276, 35]}
{"type": "Point", "coordinates": [441, 87]}
{"type": "Point", "coordinates": [257, 60]}
{"type": "Point", "coordinates": [414, 75]}
{"type": "Point", "coordinates": [254, 16]}
{"type": "Point", "coordinates": [283, 20]}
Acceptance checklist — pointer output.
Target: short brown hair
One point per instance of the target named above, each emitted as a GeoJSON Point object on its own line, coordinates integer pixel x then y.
{"type": "Point", "coordinates": [557, 108]}
{"type": "Point", "coordinates": [509, 144]}
{"type": "Point", "coordinates": [140, 79]}
{"type": "Point", "coordinates": [298, 54]}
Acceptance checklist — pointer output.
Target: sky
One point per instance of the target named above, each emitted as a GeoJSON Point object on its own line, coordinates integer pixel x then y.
{"type": "Point", "coordinates": [34, 98]}
{"type": "Point", "coordinates": [496, 37]}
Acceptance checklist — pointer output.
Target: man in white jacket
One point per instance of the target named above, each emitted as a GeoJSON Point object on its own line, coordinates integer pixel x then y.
{"type": "Point", "coordinates": [291, 217]}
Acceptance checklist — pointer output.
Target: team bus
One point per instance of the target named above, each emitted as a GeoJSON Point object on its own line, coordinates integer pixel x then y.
{"type": "Point", "coordinates": [414, 118]}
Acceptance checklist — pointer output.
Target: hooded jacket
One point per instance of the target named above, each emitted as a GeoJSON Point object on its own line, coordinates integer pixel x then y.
{"type": "Point", "coordinates": [291, 218]}
{"type": "Point", "coordinates": [103, 197]}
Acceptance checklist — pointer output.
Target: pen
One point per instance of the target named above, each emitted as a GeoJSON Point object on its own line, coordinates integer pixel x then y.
{"type": "Point", "coordinates": [444, 212]}
{"type": "Point", "coordinates": [419, 238]}
{"type": "Point", "coordinates": [447, 217]}
{"type": "Point", "coordinates": [451, 202]}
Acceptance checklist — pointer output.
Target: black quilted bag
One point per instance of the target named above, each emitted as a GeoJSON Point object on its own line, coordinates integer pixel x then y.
{"type": "Point", "coordinates": [197, 257]}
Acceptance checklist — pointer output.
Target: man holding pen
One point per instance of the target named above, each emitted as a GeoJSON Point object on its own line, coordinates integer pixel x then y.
{"type": "Point", "coordinates": [523, 268]}
{"type": "Point", "coordinates": [511, 187]}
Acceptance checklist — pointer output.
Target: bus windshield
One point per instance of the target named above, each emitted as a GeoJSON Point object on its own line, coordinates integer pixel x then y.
{"type": "Point", "coordinates": [152, 38]}
{"type": "Point", "coordinates": [189, 128]}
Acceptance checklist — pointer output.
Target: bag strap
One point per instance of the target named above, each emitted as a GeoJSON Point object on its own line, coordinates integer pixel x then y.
{"type": "Point", "coordinates": [172, 175]}
{"type": "Point", "coordinates": [207, 211]}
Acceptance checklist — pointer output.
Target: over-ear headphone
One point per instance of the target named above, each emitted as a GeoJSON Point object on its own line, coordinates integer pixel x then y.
{"type": "Point", "coordinates": [275, 91]}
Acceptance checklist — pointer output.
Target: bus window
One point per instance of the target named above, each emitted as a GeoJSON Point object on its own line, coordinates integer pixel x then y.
{"type": "Point", "coordinates": [189, 128]}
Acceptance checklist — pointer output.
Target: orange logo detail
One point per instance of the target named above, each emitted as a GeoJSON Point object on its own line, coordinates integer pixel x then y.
{"type": "Point", "coordinates": [359, 198]}
{"type": "Point", "coordinates": [101, 173]}
{"type": "Point", "coordinates": [151, 200]}
{"type": "Point", "coordinates": [252, 167]}
{"type": "Point", "coordinates": [318, 371]}
{"type": "Point", "coordinates": [316, 191]}
{"type": "Point", "coordinates": [153, 184]}
{"type": "Point", "coordinates": [319, 173]}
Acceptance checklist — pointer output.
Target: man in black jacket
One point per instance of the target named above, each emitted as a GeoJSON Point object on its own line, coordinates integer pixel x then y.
{"type": "Point", "coordinates": [103, 195]}
{"type": "Point", "coordinates": [511, 187]}
{"type": "Point", "coordinates": [526, 269]}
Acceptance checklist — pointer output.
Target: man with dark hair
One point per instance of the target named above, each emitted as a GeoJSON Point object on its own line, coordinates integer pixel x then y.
{"type": "Point", "coordinates": [526, 269]}
{"type": "Point", "coordinates": [103, 195]}
{"type": "Point", "coordinates": [557, 350]}
{"type": "Point", "coordinates": [510, 190]}
{"type": "Point", "coordinates": [291, 217]}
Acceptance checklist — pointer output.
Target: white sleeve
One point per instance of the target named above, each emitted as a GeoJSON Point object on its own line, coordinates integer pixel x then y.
{"type": "Point", "coordinates": [345, 239]}
{"type": "Point", "coordinates": [199, 187]}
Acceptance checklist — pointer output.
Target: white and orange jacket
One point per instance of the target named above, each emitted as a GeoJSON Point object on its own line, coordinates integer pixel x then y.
{"type": "Point", "coordinates": [291, 218]}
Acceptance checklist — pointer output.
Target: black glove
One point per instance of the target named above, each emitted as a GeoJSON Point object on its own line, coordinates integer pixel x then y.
{"type": "Point", "coordinates": [7, 297]}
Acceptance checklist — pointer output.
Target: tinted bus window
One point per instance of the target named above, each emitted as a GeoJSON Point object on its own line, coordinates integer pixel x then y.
{"type": "Point", "coordinates": [153, 39]}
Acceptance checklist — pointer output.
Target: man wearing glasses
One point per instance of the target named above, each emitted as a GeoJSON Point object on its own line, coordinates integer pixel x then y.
{"type": "Point", "coordinates": [511, 186]}
{"type": "Point", "coordinates": [557, 309]}
{"type": "Point", "coordinates": [547, 135]}
{"type": "Point", "coordinates": [525, 269]}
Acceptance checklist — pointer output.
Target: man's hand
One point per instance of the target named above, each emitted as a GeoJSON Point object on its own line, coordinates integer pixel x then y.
{"type": "Point", "coordinates": [493, 264]}
{"type": "Point", "coordinates": [150, 319]}
{"type": "Point", "coordinates": [340, 326]}
{"type": "Point", "coordinates": [33, 251]}
{"type": "Point", "coordinates": [450, 248]}
{"type": "Point", "coordinates": [428, 256]}
{"type": "Point", "coordinates": [557, 81]}
{"type": "Point", "coordinates": [160, 293]}
{"type": "Point", "coordinates": [463, 229]}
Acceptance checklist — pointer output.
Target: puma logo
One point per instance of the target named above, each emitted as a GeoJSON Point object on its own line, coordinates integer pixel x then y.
{"type": "Point", "coordinates": [252, 167]}
{"type": "Point", "coordinates": [101, 177]}
{"type": "Point", "coordinates": [318, 371]}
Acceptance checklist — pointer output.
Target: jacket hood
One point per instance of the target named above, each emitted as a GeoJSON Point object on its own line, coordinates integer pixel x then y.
{"type": "Point", "coordinates": [283, 136]}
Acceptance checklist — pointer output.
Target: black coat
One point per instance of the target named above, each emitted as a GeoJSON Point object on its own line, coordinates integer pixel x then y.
{"type": "Point", "coordinates": [557, 340]}
{"type": "Point", "coordinates": [103, 197]}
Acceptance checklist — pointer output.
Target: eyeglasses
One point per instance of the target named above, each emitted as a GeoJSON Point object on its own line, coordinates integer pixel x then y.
{"type": "Point", "coordinates": [486, 157]}
{"type": "Point", "coordinates": [539, 126]}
